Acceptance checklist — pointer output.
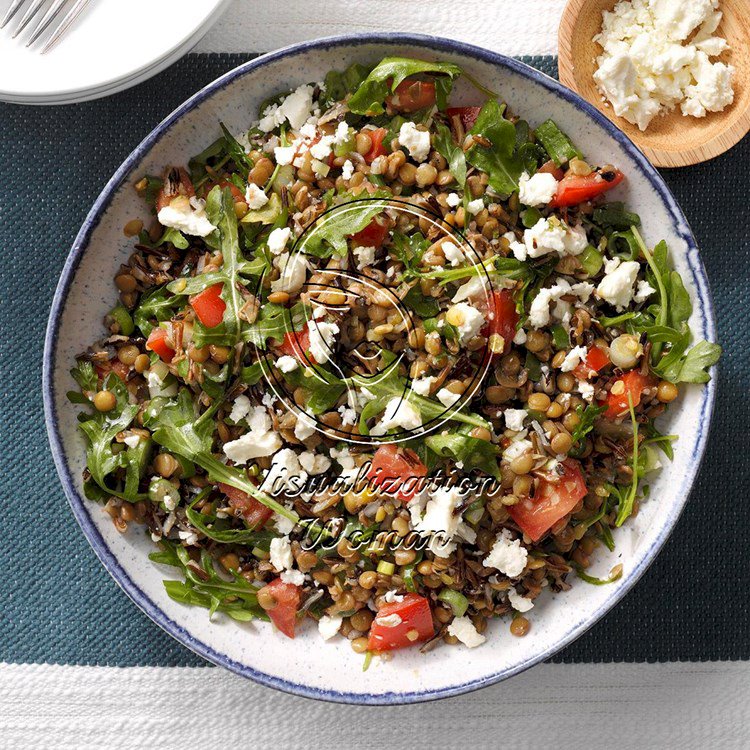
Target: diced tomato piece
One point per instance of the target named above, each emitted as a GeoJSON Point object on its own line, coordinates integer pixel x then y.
{"type": "Point", "coordinates": [596, 360]}
{"type": "Point", "coordinates": [634, 383]}
{"type": "Point", "coordinates": [113, 365]}
{"type": "Point", "coordinates": [157, 342]}
{"type": "Point", "coordinates": [467, 115]}
{"type": "Point", "coordinates": [176, 182]}
{"type": "Point", "coordinates": [411, 96]}
{"type": "Point", "coordinates": [378, 149]}
{"type": "Point", "coordinates": [373, 235]}
{"type": "Point", "coordinates": [397, 471]}
{"type": "Point", "coordinates": [296, 343]}
{"type": "Point", "coordinates": [254, 513]}
{"type": "Point", "coordinates": [284, 614]}
{"type": "Point", "coordinates": [502, 317]}
{"type": "Point", "coordinates": [553, 500]}
{"type": "Point", "coordinates": [209, 306]}
{"type": "Point", "coordinates": [551, 167]}
{"type": "Point", "coordinates": [401, 624]}
{"type": "Point", "coordinates": [572, 189]}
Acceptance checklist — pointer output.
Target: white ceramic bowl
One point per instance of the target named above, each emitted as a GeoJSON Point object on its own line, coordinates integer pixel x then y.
{"type": "Point", "coordinates": [307, 665]}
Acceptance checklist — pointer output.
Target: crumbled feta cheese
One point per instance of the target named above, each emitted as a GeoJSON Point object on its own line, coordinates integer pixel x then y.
{"type": "Point", "coordinates": [398, 413]}
{"type": "Point", "coordinates": [507, 555]}
{"type": "Point", "coordinates": [514, 419]}
{"type": "Point", "coordinates": [348, 415]}
{"type": "Point", "coordinates": [537, 190]}
{"type": "Point", "coordinates": [518, 602]}
{"type": "Point", "coordinates": [269, 399]}
{"type": "Point", "coordinates": [440, 521]}
{"type": "Point", "coordinates": [314, 463]}
{"type": "Point", "coordinates": [293, 273]}
{"type": "Point", "coordinates": [298, 106]}
{"type": "Point", "coordinates": [453, 200]}
{"type": "Point", "coordinates": [281, 553]}
{"type": "Point", "coordinates": [447, 398]}
{"type": "Point", "coordinates": [284, 154]}
{"type": "Point", "coordinates": [322, 148]}
{"type": "Point", "coordinates": [474, 289]}
{"type": "Point", "coordinates": [643, 292]}
{"type": "Point", "coordinates": [648, 66]}
{"type": "Point", "coordinates": [393, 596]}
{"type": "Point", "coordinates": [422, 385]}
{"type": "Point", "coordinates": [416, 142]}
{"type": "Point", "coordinates": [347, 170]}
{"type": "Point", "coordinates": [186, 217]}
{"type": "Point", "coordinates": [241, 407]}
{"type": "Point", "coordinates": [285, 363]}
{"type": "Point", "coordinates": [322, 339]}
{"type": "Point", "coordinates": [295, 577]}
{"type": "Point", "coordinates": [329, 626]}
{"type": "Point", "coordinates": [517, 448]}
{"type": "Point", "coordinates": [475, 206]}
{"type": "Point", "coordinates": [285, 473]}
{"type": "Point", "coordinates": [551, 235]}
{"type": "Point", "coordinates": [586, 390]}
{"type": "Point", "coordinates": [132, 441]}
{"type": "Point", "coordinates": [473, 322]}
{"type": "Point", "coordinates": [573, 358]}
{"type": "Point", "coordinates": [277, 240]}
{"type": "Point", "coordinates": [304, 428]}
{"type": "Point", "coordinates": [520, 338]}
{"type": "Point", "coordinates": [283, 524]}
{"type": "Point", "coordinates": [617, 287]}
{"type": "Point", "coordinates": [365, 257]}
{"type": "Point", "coordinates": [255, 197]}
{"type": "Point", "coordinates": [341, 136]}
{"type": "Point", "coordinates": [463, 629]}
{"type": "Point", "coordinates": [260, 441]}
{"type": "Point", "coordinates": [453, 253]}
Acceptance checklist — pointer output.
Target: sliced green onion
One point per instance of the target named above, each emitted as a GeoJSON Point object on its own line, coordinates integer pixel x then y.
{"type": "Point", "coordinates": [386, 568]}
{"type": "Point", "coordinates": [122, 317]}
{"type": "Point", "coordinates": [455, 600]}
{"type": "Point", "coordinates": [556, 143]}
{"type": "Point", "coordinates": [474, 512]}
{"type": "Point", "coordinates": [409, 580]}
{"type": "Point", "coordinates": [591, 260]}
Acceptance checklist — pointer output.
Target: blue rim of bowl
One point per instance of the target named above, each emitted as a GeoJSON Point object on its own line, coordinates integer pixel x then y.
{"type": "Point", "coordinates": [78, 504]}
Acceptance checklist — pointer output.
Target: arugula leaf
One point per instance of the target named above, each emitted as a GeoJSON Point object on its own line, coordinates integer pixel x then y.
{"type": "Point", "coordinates": [340, 83]}
{"type": "Point", "coordinates": [156, 303]}
{"type": "Point", "coordinates": [273, 322]}
{"type": "Point", "coordinates": [556, 143]}
{"type": "Point", "coordinates": [444, 144]}
{"type": "Point", "coordinates": [693, 368]}
{"type": "Point", "coordinates": [213, 155]}
{"type": "Point", "coordinates": [251, 374]}
{"type": "Point", "coordinates": [204, 587]}
{"type": "Point", "coordinates": [170, 235]}
{"type": "Point", "coordinates": [218, 530]}
{"type": "Point", "coordinates": [237, 154]}
{"type": "Point", "coordinates": [472, 452]}
{"type": "Point", "coordinates": [627, 499]}
{"type": "Point", "coordinates": [409, 250]}
{"type": "Point", "coordinates": [423, 306]}
{"type": "Point", "coordinates": [387, 75]}
{"type": "Point", "coordinates": [330, 232]}
{"type": "Point", "coordinates": [500, 161]}
{"type": "Point", "coordinates": [324, 387]}
{"type": "Point", "coordinates": [100, 429]}
{"type": "Point", "coordinates": [615, 216]}
{"type": "Point", "coordinates": [586, 419]}
{"type": "Point", "coordinates": [388, 384]}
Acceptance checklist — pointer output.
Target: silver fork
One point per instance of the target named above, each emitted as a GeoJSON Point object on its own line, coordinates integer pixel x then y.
{"type": "Point", "coordinates": [33, 7]}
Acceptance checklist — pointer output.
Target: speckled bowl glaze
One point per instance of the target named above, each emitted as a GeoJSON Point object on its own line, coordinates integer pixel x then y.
{"type": "Point", "coordinates": [307, 665]}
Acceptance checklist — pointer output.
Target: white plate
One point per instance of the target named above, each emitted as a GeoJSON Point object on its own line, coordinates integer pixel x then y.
{"type": "Point", "coordinates": [114, 44]}
{"type": "Point", "coordinates": [307, 665]}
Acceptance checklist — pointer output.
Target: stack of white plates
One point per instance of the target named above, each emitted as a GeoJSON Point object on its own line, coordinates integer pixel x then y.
{"type": "Point", "coordinates": [114, 44]}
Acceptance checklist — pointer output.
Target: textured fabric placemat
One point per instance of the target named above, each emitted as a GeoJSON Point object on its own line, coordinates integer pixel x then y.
{"type": "Point", "coordinates": [57, 603]}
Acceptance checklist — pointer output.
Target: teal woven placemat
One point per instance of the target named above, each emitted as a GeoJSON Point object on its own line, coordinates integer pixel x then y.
{"type": "Point", "coordinates": [57, 603]}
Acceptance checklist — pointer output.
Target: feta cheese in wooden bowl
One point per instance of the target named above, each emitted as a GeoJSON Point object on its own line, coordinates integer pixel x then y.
{"type": "Point", "coordinates": [674, 75]}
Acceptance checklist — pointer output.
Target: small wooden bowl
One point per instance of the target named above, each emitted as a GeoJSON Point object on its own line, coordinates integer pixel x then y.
{"type": "Point", "coordinates": [671, 140]}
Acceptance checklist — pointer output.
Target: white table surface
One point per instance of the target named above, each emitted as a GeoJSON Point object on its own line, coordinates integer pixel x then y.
{"type": "Point", "coordinates": [673, 705]}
